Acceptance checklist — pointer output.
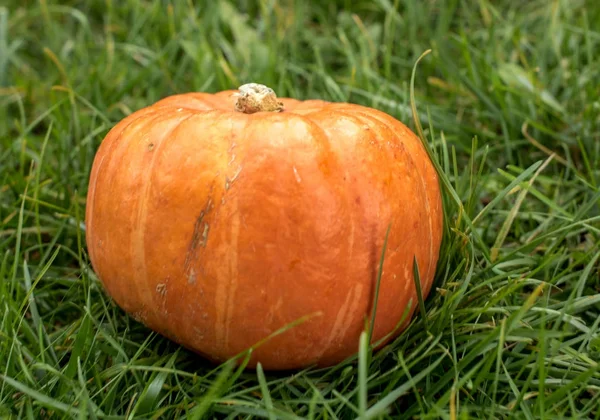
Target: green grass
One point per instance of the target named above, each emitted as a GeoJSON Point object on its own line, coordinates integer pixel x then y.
{"type": "Point", "coordinates": [508, 101]}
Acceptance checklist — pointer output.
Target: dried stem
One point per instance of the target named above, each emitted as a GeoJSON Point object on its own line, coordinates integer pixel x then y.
{"type": "Point", "coordinates": [253, 97]}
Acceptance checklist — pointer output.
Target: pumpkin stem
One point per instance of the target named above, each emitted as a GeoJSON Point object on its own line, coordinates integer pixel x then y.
{"type": "Point", "coordinates": [253, 97]}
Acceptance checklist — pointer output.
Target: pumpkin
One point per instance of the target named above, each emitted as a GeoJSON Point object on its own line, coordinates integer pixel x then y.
{"type": "Point", "coordinates": [226, 220]}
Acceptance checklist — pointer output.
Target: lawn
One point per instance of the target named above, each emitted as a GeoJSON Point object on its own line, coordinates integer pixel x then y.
{"type": "Point", "coordinates": [508, 101]}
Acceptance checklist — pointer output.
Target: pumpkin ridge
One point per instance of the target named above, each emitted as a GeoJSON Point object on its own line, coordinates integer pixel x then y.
{"type": "Point", "coordinates": [233, 270]}
{"type": "Point", "coordinates": [342, 322]}
{"type": "Point", "coordinates": [106, 149]}
{"type": "Point", "coordinates": [423, 183]}
{"type": "Point", "coordinates": [142, 117]}
{"type": "Point", "coordinates": [358, 121]}
{"type": "Point", "coordinates": [376, 124]}
{"type": "Point", "coordinates": [138, 242]}
{"type": "Point", "coordinates": [235, 231]}
{"type": "Point", "coordinates": [199, 234]}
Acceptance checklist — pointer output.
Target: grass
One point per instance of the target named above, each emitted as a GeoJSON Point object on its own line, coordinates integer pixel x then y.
{"type": "Point", "coordinates": [508, 103]}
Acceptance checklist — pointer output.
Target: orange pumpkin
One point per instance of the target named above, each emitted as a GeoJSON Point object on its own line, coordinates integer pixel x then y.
{"type": "Point", "coordinates": [218, 219]}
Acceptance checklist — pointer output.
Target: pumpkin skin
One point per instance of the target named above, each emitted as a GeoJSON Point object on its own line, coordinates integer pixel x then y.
{"type": "Point", "coordinates": [216, 228]}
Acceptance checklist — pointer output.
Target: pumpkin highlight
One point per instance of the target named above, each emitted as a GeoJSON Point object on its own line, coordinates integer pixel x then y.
{"type": "Point", "coordinates": [218, 219]}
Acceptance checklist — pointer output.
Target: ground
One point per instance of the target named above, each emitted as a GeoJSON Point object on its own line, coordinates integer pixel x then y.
{"type": "Point", "coordinates": [508, 101]}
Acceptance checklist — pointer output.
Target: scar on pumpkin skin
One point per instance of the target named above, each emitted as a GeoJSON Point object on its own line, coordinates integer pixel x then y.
{"type": "Point", "coordinates": [204, 235]}
{"type": "Point", "coordinates": [229, 181]}
{"type": "Point", "coordinates": [192, 276]}
{"type": "Point", "coordinates": [161, 289]}
{"type": "Point", "coordinates": [199, 237]}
